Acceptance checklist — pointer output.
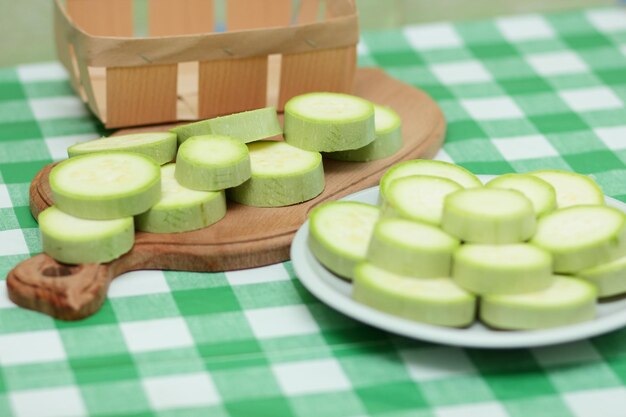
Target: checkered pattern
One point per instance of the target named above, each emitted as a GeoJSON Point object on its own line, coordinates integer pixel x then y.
{"type": "Point", "coordinates": [519, 93]}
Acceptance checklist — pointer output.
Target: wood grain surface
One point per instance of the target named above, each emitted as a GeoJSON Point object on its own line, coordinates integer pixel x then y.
{"type": "Point", "coordinates": [246, 237]}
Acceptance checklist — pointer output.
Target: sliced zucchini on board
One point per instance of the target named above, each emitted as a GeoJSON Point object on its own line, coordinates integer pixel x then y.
{"type": "Point", "coordinates": [160, 146]}
{"type": "Point", "coordinates": [106, 185]}
{"type": "Point", "coordinates": [502, 269]}
{"type": "Point", "coordinates": [212, 163]}
{"type": "Point", "coordinates": [437, 301]}
{"type": "Point", "coordinates": [572, 189]}
{"type": "Point", "coordinates": [488, 215]}
{"type": "Point", "coordinates": [411, 249]}
{"type": "Point", "coordinates": [581, 237]}
{"type": "Point", "coordinates": [609, 279]}
{"type": "Point", "coordinates": [329, 122]}
{"type": "Point", "coordinates": [540, 193]}
{"type": "Point", "coordinates": [181, 209]}
{"type": "Point", "coordinates": [282, 175]}
{"type": "Point", "coordinates": [73, 240]}
{"type": "Point", "coordinates": [418, 198]}
{"type": "Point", "coordinates": [388, 139]}
{"type": "Point", "coordinates": [339, 234]}
{"type": "Point", "coordinates": [246, 126]}
{"type": "Point", "coordinates": [567, 301]}
{"type": "Point", "coordinates": [431, 168]}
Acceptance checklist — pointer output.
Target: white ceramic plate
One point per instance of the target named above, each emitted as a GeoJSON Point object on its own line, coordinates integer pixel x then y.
{"type": "Point", "coordinates": [336, 293]}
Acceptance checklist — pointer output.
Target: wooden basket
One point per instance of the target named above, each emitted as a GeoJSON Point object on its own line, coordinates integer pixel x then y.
{"type": "Point", "coordinates": [185, 70]}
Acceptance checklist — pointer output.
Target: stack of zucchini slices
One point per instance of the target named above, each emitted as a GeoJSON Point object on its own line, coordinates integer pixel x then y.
{"type": "Point", "coordinates": [524, 251]}
{"type": "Point", "coordinates": [179, 181]}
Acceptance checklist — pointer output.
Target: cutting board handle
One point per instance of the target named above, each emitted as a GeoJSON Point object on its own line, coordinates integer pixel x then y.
{"type": "Point", "coordinates": [68, 292]}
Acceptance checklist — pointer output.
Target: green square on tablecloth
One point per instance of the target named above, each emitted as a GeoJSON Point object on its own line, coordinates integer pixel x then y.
{"type": "Point", "coordinates": [180, 280]}
{"type": "Point", "coordinates": [524, 85]}
{"type": "Point", "coordinates": [250, 382]}
{"type": "Point", "coordinates": [490, 50]}
{"type": "Point", "coordinates": [93, 341]}
{"type": "Point", "coordinates": [144, 307]}
{"type": "Point", "coordinates": [555, 123]}
{"type": "Point", "coordinates": [232, 354]}
{"type": "Point", "coordinates": [8, 219]}
{"type": "Point", "coordinates": [218, 327]}
{"type": "Point", "coordinates": [590, 162]}
{"type": "Point", "coordinates": [467, 389]}
{"type": "Point", "coordinates": [43, 89]}
{"type": "Point", "coordinates": [206, 301]}
{"type": "Point", "coordinates": [121, 398]}
{"type": "Point", "coordinates": [89, 370]}
{"type": "Point", "coordinates": [331, 404]}
{"type": "Point", "coordinates": [391, 397]}
{"type": "Point", "coordinates": [276, 406]}
{"type": "Point", "coordinates": [40, 375]}
{"type": "Point", "coordinates": [15, 320]}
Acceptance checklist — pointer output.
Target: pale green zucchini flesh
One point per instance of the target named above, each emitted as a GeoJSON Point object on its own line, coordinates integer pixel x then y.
{"type": "Point", "coordinates": [181, 209]}
{"type": "Point", "coordinates": [609, 279]}
{"type": "Point", "coordinates": [339, 234]}
{"type": "Point", "coordinates": [160, 146]}
{"type": "Point", "coordinates": [436, 301]}
{"type": "Point", "coordinates": [329, 122]}
{"type": "Point", "coordinates": [540, 193]}
{"type": "Point", "coordinates": [246, 126]}
{"type": "Point", "coordinates": [488, 215]}
{"type": "Point", "coordinates": [73, 240]}
{"type": "Point", "coordinates": [281, 175]}
{"type": "Point", "coordinates": [572, 189]}
{"type": "Point", "coordinates": [106, 185]}
{"type": "Point", "coordinates": [567, 301]}
{"type": "Point", "coordinates": [212, 163]}
{"type": "Point", "coordinates": [502, 269]}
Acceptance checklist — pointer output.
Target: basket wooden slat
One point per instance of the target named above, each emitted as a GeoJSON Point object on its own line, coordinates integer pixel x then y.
{"type": "Point", "coordinates": [186, 71]}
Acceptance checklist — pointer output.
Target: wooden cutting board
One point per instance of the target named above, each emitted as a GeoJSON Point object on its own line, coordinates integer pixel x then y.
{"type": "Point", "coordinates": [246, 237]}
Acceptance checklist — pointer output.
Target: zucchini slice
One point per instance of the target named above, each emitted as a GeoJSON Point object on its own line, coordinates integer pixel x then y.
{"type": "Point", "coordinates": [411, 249]}
{"type": "Point", "coordinates": [73, 240]}
{"type": "Point", "coordinates": [540, 193]}
{"type": "Point", "coordinates": [339, 234]}
{"type": "Point", "coordinates": [418, 198]}
{"type": "Point", "coordinates": [282, 175]}
{"type": "Point", "coordinates": [431, 168]}
{"type": "Point", "coordinates": [488, 215]}
{"type": "Point", "coordinates": [581, 237]}
{"type": "Point", "coordinates": [106, 185]}
{"type": "Point", "coordinates": [609, 279]}
{"type": "Point", "coordinates": [437, 301]}
{"type": "Point", "coordinates": [567, 301]}
{"type": "Point", "coordinates": [246, 126]}
{"type": "Point", "coordinates": [502, 269]}
{"type": "Point", "coordinates": [388, 139]}
{"type": "Point", "coordinates": [212, 163]}
{"type": "Point", "coordinates": [181, 209]}
{"type": "Point", "coordinates": [572, 189]}
{"type": "Point", "coordinates": [329, 122]}
{"type": "Point", "coordinates": [160, 146]}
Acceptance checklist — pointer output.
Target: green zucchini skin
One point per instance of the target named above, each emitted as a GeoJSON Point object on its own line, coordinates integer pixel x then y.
{"type": "Point", "coordinates": [197, 173]}
{"type": "Point", "coordinates": [160, 146]}
{"type": "Point", "coordinates": [248, 126]}
{"type": "Point", "coordinates": [329, 135]}
{"type": "Point", "coordinates": [609, 279]}
{"type": "Point", "coordinates": [73, 240]}
{"type": "Point", "coordinates": [436, 301]}
{"type": "Point", "coordinates": [568, 301]}
{"type": "Point", "coordinates": [180, 209]}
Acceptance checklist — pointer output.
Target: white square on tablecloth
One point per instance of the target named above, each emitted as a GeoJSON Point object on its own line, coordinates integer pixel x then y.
{"type": "Point", "coordinates": [524, 147]}
{"type": "Point", "coordinates": [461, 72]}
{"type": "Point", "coordinates": [57, 107]}
{"type": "Point", "coordinates": [436, 363]}
{"type": "Point", "coordinates": [31, 347]}
{"type": "Point", "coordinates": [613, 137]}
{"type": "Point", "coordinates": [149, 335]}
{"type": "Point", "coordinates": [281, 321]}
{"type": "Point", "coordinates": [361, 48]}
{"type": "Point", "coordinates": [47, 71]}
{"type": "Point", "coordinates": [610, 402]}
{"type": "Point", "coordinates": [5, 197]}
{"type": "Point", "coordinates": [433, 36]}
{"type": "Point", "coordinates": [487, 409]}
{"type": "Point", "coordinates": [594, 98]}
{"type": "Point", "coordinates": [623, 49]}
{"type": "Point", "coordinates": [57, 146]}
{"type": "Point", "coordinates": [138, 283]}
{"type": "Point", "coordinates": [556, 63]}
{"type": "Point", "coordinates": [270, 273]}
{"type": "Point", "coordinates": [5, 302]}
{"type": "Point", "coordinates": [492, 108]}
{"type": "Point", "coordinates": [442, 155]}
{"type": "Point", "coordinates": [12, 242]}
{"type": "Point", "coordinates": [306, 377]}
{"type": "Point", "coordinates": [524, 28]}
{"type": "Point", "coordinates": [577, 352]}
{"type": "Point", "coordinates": [608, 20]}
{"type": "Point", "coordinates": [48, 402]}
{"type": "Point", "coordinates": [178, 391]}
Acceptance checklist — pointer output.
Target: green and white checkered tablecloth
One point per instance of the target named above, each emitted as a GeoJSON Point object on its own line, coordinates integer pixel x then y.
{"type": "Point", "coordinates": [519, 93]}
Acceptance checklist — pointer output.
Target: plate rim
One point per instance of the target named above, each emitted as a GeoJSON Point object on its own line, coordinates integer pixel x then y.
{"type": "Point", "coordinates": [304, 262]}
